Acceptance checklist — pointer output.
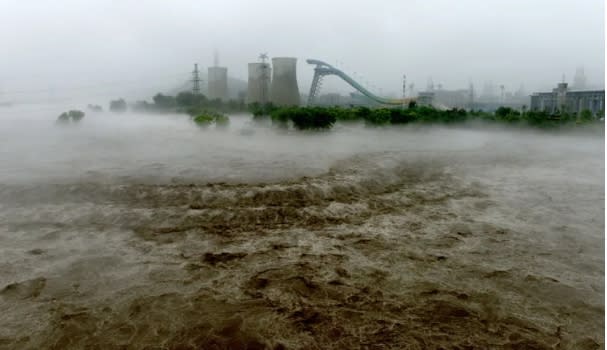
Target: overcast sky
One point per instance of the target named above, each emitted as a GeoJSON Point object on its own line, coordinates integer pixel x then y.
{"type": "Point", "coordinates": [107, 44]}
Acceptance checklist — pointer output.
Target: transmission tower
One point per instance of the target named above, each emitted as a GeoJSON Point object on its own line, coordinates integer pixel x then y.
{"type": "Point", "coordinates": [404, 89]}
{"type": "Point", "coordinates": [471, 96]}
{"type": "Point", "coordinates": [196, 80]}
{"type": "Point", "coordinates": [264, 78]}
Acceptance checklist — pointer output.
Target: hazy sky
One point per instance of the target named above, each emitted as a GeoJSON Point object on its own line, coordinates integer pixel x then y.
{"type": "Point", "coordinates": [125, 45]}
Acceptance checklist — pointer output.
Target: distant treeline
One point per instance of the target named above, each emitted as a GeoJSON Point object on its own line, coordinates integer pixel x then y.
{"type": "Point", "coordinates": [190, 103]}
{"type": "Point", "coordinates": [203, 110]}
{"type": "Point", "coordinates": [324, 117]}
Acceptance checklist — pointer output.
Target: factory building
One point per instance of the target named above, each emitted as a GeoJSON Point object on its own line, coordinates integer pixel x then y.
{"type": "Point", "coordinates": [445, 99]}
{"type": "Point", "coordinates": [425, 98]}
{"type": "Point", "coordinates": [284, 90]}
{"type": "Point", "coordinates": [571, 101]}
{"type": "Point", "coordinates": [258, 88]}
{"type": "Point", "coordinates": [218, 83]}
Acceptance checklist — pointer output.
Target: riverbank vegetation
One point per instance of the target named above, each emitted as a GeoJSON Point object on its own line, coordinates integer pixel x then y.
{"type": "Point", "coordinates": [205, 112]}
{"type": "Point", "coordinates": [316, 118]}
{"type": "Point", "coordinates": [190, 103]}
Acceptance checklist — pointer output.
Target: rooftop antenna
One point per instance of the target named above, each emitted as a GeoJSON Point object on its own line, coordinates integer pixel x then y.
{"type": "Point", "coordinates": [196, 80]}
{"type": "Point", "coordinates": [215, 58]}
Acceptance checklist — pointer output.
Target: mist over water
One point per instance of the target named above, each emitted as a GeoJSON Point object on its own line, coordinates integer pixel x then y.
{"type": "Point", "coordinates": [148, 231]}
{"type": "Point", "coordinates": [169, 148]}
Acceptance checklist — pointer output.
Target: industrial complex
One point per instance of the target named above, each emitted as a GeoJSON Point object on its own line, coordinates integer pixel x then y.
{"type": "Point", "coordinates": [568, 100]}
{"type": "Point", "coordinates": [276, 82]}
{"type": "Point", "coordinates": [217, 81]}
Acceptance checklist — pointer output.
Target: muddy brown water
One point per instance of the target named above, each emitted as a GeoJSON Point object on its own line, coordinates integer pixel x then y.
{"type": "Point", "coordinates": [144, 232]}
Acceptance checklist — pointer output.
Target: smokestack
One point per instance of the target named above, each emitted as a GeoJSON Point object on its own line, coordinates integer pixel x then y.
{"type": "Point", "coordinates": [258, 89]}
{"type": "Point", "coordinates": [218, 83]}
{"type": "Point", "coordinates": [284, 90]}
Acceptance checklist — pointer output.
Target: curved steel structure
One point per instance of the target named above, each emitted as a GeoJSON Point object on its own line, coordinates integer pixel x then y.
{"type": "Point", "coordinates": [322, 69]}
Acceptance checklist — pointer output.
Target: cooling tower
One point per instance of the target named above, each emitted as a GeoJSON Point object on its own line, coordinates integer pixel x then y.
{"type": "Point", "coordinates": [218, 83]}
{"type": "Point", "coordinates": [258, 89]}
{"type": "Point", "coordinates": [284, 90]}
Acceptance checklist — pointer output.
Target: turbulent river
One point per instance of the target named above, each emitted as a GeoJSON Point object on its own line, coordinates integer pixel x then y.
{"type": "Point", "coordinates": [146, 232]}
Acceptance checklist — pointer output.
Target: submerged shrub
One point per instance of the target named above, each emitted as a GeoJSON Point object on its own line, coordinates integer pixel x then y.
{"type": "Point", "coordinates": [281, 117]}
{"type": "Point", "coordinates": [76, 115]}
{"type": "Point", "coordinates": [95, 108]}
{"type": "Point", "coordinates": [118, 105]}
{"type": "Point", "coordinates": [222, 121]}
{"type": "Point", "coordinates": [207, 118]}
{"type": "Point", "coordinates": [203, 120]}
{"type": "Point", "coordinates": [63, 118]}
{"type": "Point", "coordinates": [70, 116]}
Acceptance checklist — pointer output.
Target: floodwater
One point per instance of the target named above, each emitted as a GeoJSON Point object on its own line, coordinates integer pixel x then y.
{"type": "Point", "coordinates": [146, 232]}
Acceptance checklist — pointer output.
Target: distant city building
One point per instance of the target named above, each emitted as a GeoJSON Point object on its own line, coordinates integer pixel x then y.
{"type": "Point", "coordinates": [563, 99]}
{"type": "Point", "coordinates": [489, 92]}
{"type": "Point", "coordinates": [579, 79]}
{"type": "Point", "coordinates": [425, 98]}
{"type": "Point", "coordinates": [452, 98]}
{"type": "Point", "coordinates": [467, 99]}
{"type": "Point", "coordinates": [218, 83]}
{"type": "Point", "coordinates": [441, 98]}
{"type": "Point", "coordinates": [332, 99]}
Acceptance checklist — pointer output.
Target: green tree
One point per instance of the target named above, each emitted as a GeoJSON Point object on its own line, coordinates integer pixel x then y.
{"type": "Point", "coordinates": [76, 115]}
{"type": "Point", "coordinates": [63, 118]}
{"type": "Point", "coordinates": [118, 105]}
{"type": "Point", "coordinates": [189, 99]}
{"type": "Point", "coordinates": [537, 118]}
{"type": "Point", "coordinates": [585, 116]}
{"type": "Point", "coordinates": [380, 116]}
{"type": "Point", "coordinates": [164, 102]}
{"type": "Point", "coordinates": [95, 108]}
{"type": "Point", "coordinates": [70, 116]}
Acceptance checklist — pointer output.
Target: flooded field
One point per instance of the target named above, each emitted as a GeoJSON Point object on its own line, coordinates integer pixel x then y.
{"type": "Point", "coordinates": [146, 232]}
